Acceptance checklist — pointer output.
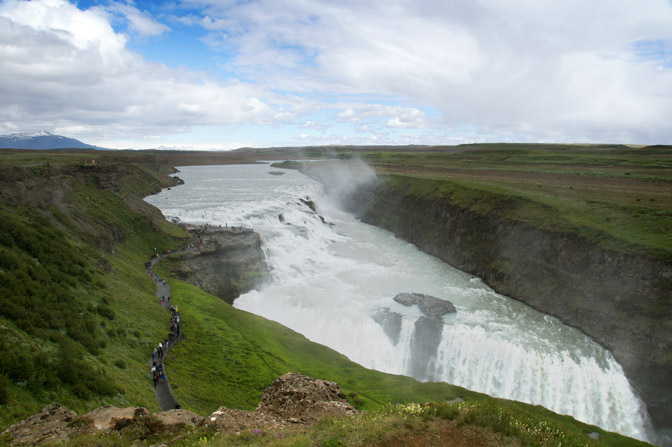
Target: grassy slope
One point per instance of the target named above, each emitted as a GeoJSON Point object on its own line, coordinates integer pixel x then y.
{"type": "Point", "coordinates": [122, 339]}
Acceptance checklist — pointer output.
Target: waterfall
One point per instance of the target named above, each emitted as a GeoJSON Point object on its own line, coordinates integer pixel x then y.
{"type": "Point", "coordinates": [334, 280]}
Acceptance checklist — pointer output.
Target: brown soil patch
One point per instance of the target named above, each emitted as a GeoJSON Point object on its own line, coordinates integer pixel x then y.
{"type": "Point", "coordinates": [450, 434]}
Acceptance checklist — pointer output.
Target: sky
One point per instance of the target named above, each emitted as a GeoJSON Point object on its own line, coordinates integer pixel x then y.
{"type": "Point", "coordinates": [223, 74]}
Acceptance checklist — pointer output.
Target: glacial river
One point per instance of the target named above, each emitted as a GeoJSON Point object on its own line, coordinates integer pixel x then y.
{"type": "Point", "coordinates": [331, 278]}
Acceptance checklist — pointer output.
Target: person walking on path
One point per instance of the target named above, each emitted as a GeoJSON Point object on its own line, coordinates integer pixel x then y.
{"type": "Point", "coordinates": [164, 394]}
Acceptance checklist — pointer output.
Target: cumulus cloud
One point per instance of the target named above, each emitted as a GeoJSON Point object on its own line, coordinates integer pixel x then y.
{"type": "Point", "coordinates": [140, 22]}
{"type": "Point", "coordinates": [347, 116]}
{"type": "Point", "coordinates": [61, 67]}
{"type": "Point", "coordinates": [309, 124]}
{"type": "Point", "coordinates": [488, 70]}
{"type": "Point", "coordinates": [568, 69]}
{"type": "Point", "coordinates": [410, 118]}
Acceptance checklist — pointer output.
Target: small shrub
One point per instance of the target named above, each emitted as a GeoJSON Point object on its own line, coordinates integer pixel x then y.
{"type": "Point", "coordinates": [106, 311]}
{"type": "Point", "coordinates": [81, 391]}
{"type": "Point", "coordinates": [332, 442]}
{"type": "Point", "coordinates": [446, 411]}
{"type": "Point", "coordinates": [4, 392]}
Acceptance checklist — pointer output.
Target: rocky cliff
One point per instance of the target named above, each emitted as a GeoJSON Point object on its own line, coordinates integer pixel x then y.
{"type": "Point", "coordinates": [620, 300]}
{"type": "Point", "coordinates": [224, 262]}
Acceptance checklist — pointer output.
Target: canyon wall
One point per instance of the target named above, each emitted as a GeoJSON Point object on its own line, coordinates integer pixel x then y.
{"type": "Point", "coordinates": [224, 262]}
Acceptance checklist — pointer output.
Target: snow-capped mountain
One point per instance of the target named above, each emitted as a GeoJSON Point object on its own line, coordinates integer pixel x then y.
{"type": "Point", "coordinates": [41, 140]}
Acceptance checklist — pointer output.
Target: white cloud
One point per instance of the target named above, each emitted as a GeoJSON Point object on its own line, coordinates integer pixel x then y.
{"type": "Point", "coordinates": [140, 22]}
{"type": "Point", "coordinates": [61, 67]}
{"type": "Point", "coordinates": [312, 125]}
{"type": "Point", "coordinates": [347, 116]}
{"type": "Point", "coordinates": [539, 68]}
{"type": "Point", "coordinates": [413, 119]}
{"type": "Point", "coordinates": [491, 70]}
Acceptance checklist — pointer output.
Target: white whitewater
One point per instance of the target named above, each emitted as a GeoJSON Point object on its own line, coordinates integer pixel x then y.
{"type": "Point", "coordinates": [329, 279]}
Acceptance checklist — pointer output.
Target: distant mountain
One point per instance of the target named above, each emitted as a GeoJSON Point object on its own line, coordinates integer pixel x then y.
{"type": "Point", "coordinates": [41, 140]}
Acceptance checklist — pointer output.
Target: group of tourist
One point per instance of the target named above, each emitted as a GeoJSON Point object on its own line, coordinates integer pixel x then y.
{"type": "Point", "coordinates": [191, 246]}
{"type": "Point", "coordinates": [157, 372]}
{"type": "Point", "coordinates": [174, 324]}
{"type": "Point", "coordinates": [164, 345]}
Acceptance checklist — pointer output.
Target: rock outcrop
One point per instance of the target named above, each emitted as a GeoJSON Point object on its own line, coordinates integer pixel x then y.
{"type": "Point", "coordinates": [179, 416]}
{"type": "Point", "coordinates": [428, 305]}
{"type": "Point", "coordinates": [228, 262]}
{"type": "Point", "coordinates": [51, 425]}
{"type": "Point", "coordinates": [292, 399]}
{"type": "Point", "coordinates": [300, 399]}
{"type": "Point", "coordinates": [229, 420]}
{"type": "Point", "coordinates": [55, 423]}
{"type": "Point", "coordinates": [424, 343]}
{"type": "Point", "coordinates": [105, 418]}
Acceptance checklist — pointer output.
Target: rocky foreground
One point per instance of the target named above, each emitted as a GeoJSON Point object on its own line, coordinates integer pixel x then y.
{"type": "Point", "coordinates": [292, 400]}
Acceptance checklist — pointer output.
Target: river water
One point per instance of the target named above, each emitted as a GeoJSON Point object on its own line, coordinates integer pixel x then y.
{"type": "Point", "coordinates": [334, 279]}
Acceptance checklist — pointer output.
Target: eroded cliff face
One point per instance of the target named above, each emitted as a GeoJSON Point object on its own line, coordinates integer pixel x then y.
{"type": "Point", "coordinates": [227, 262]}
{"type": "Point", "coordinates": [622, 301]}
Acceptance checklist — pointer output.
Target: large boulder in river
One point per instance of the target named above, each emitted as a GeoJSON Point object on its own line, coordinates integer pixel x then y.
{"type": "Point", "coordinates": [390, 322]}
{"type": "Point", "coordinates": [429, 305]}
{"type": "Point", "coordinates": [427, 330]}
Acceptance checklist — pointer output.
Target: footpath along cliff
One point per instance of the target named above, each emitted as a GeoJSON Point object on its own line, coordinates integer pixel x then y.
{"type": "Point", "coordinates": [619, 299]}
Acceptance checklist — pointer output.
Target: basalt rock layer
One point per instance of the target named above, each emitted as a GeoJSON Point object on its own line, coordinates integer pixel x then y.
{"type": "Point", "coordinates": [621, 300]}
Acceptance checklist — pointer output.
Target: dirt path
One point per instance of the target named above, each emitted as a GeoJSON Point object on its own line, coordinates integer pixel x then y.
{"type": "Point", "coordinates": [164, 394]}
